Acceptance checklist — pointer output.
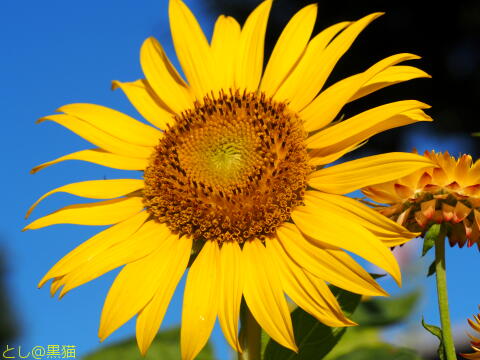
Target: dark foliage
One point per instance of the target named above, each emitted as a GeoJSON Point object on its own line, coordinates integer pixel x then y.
{"type": "Point", "coordinates": [7, 328]}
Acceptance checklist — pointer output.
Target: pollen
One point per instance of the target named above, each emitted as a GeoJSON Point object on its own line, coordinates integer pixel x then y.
{"type": "Point", "coordinates": [230, 169]}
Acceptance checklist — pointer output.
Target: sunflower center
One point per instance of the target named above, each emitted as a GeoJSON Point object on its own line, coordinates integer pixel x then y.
{"type": "Point", "coordinates": [231, 169]}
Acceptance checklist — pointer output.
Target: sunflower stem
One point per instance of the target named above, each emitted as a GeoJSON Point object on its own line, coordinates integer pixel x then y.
{"type": "Point", "coordinates": [442, 294]}
{"type": "Point", "coordinates": [250, 335]}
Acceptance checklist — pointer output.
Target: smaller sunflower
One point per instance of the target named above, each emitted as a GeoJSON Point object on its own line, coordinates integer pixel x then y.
{"type": "Point", "coordinates": [449, 192]}
{"type": "Point", "coordinates": [475, 343]}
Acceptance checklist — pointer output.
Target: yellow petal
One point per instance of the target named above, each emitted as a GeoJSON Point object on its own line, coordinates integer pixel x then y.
{"type": "Point", "coordinates": [140, 244]}
{"type": "Point", "coordinates": [99, 137]}
{"type": "Point", "coordinates": [264, 296]}
{"type": "Point", "coordinates": [146, 101]}
{"type": "Point", "coordinates": [288, 49]}
{"type": "Point", "coordinates": [390, 76]}
{"type": "Point", "coordinates": [231, 288]}
{"type": "Point", "coordinates": [95, 189]}
{"type": "Point", "coordinates": [312, 296]}
{"type": "Point", "coordinates": [249, 64]}
{"type": "Point", "coordinates": [327, 59]}
{"type": "Point", "coordinates": [135, 286]}
{"type": "Point", "coordinates": [200, 301]}
{"type": "Point", "coordinates": [370, 170]}
{"type": "Point", "coordinates": [225, 39]}
{"type": "Point", "coordinates": [382, 227]}
{"type": "Point", "coordinates": [327, 228]}
{"type": "Point", "coordinates": [382, 196]}
{"type": "Point", "coordinates": [295, 90]}
{"type": "Point", "coordinates": [366, 124]}
{"type": "Point", "coordinates": [100, 213]}
{"type": "Point", "coordinates": [193, 50]}
{"type": "Point", "coordinates": [473, 325]}
{"type": "Point", "coordinates": [100, 157]}
{"type": "Point", "coordinates": [163, 78]}
{"type": "Point", "coordinates": [114, 123]}
{"type": "Point", "coordinates": [170, 269]}
{"type": "Point", "coordinates": [95, 245]}
{"type": "Point", "coordinates": [316, 157]}
{"type": "Point", "coordinates": [326, 106]}
{"type": "Point", "coordinates": [332, 265]}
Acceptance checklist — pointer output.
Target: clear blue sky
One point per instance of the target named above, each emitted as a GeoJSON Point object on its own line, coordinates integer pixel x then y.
{"type": "Point", "coordinates": [58, 52]}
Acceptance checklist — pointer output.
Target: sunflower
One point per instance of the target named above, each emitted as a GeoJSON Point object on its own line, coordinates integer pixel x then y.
{"type": "Point", "coordinates": [475, 343]}
{"type": "Point", "coordinates": [233, 185]}
{"type": "Point", "coordinates": [448, 193]}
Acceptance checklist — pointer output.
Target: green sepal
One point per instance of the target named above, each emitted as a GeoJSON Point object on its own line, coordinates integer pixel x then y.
{"type": "Point", "coordinates": [430, 237]}
{"type": "Point", "coordinates": [431, 269]}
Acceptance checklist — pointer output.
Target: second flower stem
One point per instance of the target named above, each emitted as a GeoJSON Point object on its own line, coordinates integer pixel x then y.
{"type": "Point", "coordinates": [442, 294]}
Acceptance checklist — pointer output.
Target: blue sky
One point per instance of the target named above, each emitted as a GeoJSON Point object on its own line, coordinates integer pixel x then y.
{"type": "Point", "coordinates": [59, 52]}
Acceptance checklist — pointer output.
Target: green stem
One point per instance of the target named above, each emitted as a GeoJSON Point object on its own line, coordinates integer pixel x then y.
{"type": "Point", "coordinates": [250, 335]}
{"type": "Point", "coordinates": [442, 293]}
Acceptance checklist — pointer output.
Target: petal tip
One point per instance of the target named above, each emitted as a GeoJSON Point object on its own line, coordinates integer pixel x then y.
{"type": "Point", "coordinates": [42, 282]}
{"type": "Point", "coordinates": [398, 278]}
{"type": "Point", "coordinates": [115, 85]}
{"type": "Point", "coordinates": [35, 170]}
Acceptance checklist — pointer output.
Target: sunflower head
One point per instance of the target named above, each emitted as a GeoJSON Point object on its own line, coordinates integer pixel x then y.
{"type": "Point", "coordinates": [231, 169]}
{"type": "Point", "coordinates": [448, 192]}
{"type": "Point", "coordinates": [235, 187]}
{"type": "Point", "coordinates": [475, 341]}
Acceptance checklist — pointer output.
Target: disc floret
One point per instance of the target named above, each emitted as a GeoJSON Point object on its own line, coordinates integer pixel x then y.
{"type": "Point", "coordinates": [231, 169]}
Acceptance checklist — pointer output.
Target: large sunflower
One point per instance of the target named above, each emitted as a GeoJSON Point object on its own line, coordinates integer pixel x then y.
{"type": "Point", "coordinates": [233, 183]}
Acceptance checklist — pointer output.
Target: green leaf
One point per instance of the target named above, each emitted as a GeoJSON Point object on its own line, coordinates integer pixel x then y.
{"type": "Point", "coordinates": [382, 312]}
{"type": "Point", "coordinates": [264, 341]}
{"type": "Point", "coordinates": [166, 346]}
{"type": "Point", "coordinates": [431, 269]}
{"type": "Point", "coordinates": [430, 237]}
{"type": "Point", "coordinates": [435, 330]}
{"type": "Point", "coordinates": [313, 338]}
{"type": "Point", "coordinates": [355, 337]}
{"type": "Point", "coordinates": [380, 352]}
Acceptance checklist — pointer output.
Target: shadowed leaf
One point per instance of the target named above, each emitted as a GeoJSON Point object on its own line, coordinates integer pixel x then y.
{"type": "Point", "coordinates": [435, 330]}
{"type": "Point", "coordinates": [314, 339]}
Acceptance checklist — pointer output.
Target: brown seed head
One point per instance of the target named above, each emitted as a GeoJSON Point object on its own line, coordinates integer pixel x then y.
{"type": "Point", "coordinates": [231, 169]}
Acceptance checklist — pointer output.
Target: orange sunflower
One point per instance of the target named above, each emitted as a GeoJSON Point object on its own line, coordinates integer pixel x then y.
{"type": "Point", "coordinates": [233, 185]}
{"type": "Point", "coordinates": [447, 192]}
{"type": "Point", "coordinates": [475, 343]}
